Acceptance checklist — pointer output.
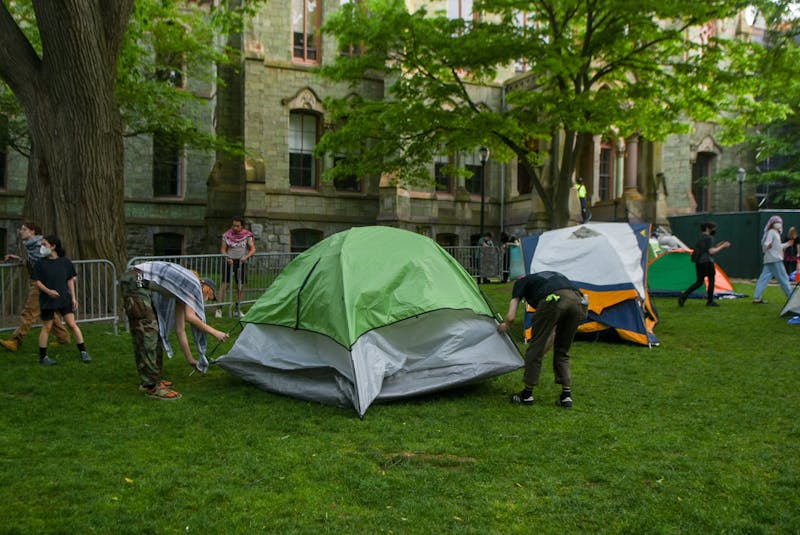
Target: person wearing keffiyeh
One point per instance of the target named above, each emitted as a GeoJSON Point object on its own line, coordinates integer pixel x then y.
{"type": "Point", "coordinates": [773, 268]}
{"type": "Point", "coordinates": [238, 245]}
{"type": "Point", "coordinates": [162, 297]}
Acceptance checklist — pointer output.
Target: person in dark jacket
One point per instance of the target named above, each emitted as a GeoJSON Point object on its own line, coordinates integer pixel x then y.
{"type": "Point", "coordinates": [560, 308]}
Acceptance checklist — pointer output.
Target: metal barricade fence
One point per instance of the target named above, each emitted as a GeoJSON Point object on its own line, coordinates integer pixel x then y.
{"type": "Point", "coordinates": [261, 270]}
{"type": "Point", "coordinates": [478, 261]}
{"type": "Point", "coordinates": [95, 286]}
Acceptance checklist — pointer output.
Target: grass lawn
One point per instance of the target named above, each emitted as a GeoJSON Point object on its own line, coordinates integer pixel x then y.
{"type": "Point", "coordinates": [699, 435]}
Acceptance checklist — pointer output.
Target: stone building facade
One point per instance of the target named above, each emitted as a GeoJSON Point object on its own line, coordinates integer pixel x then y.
{"type": "Point", "coordinates": [274, 103]}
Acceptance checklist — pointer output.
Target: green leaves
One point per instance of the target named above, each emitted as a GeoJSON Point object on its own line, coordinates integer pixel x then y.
{"type": "Point", "coordinates": [591, 67]}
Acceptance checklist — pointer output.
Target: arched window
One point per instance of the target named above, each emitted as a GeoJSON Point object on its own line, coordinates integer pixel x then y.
{"type": "Point", "coordinates": [702, 169]}
{"type": "Point", "coordinates": [605, 176]}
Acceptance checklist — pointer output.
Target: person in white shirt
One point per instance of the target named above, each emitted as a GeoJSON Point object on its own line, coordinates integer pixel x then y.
{"type": "Point", "coordinates": [773, 260]}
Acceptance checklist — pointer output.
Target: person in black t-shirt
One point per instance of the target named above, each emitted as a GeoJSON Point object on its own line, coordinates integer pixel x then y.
{"type": "Point", "coordinates": [703, 259]}
{"type": "Point", "coordinates": [560, 308]}
{"type": "Point", "coordinates": [55, 276]}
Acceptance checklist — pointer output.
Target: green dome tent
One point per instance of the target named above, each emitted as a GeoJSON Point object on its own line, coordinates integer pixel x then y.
{"type": "Point", "coordinates": [370, 313]}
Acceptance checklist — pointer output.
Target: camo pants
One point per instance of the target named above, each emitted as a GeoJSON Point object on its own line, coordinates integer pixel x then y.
{"type": "Point", "coordinates": [147, 349]}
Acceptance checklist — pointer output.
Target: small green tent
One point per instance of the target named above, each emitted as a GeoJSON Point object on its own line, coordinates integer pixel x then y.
{"type": "Point", "coordinates": [673, 271]}
{"type": "Point", "coordinates": [370, 313]}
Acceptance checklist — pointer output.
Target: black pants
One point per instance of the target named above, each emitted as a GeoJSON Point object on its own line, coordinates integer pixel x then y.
{"type": "Point", "coordinates": [703, 270]}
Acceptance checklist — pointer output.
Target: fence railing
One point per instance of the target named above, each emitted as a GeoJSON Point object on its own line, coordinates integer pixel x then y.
{"type": "Point", "coordinates": [97, 295]}
{"type": "Point", "coordinates": [261, 269]}
{"type": "Point", "coordinates": [95, 289]}
{"type": "Point", "coordinates": [480, 262]}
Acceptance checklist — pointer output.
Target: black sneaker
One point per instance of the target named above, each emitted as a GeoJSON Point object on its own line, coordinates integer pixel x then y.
{"type": "Point", "coordinates": [520, 399]}
{"type": "Point", "coordinates": [47, 361]}
{"type": "Point", "coordinates": [681, 300]}
{"type": "Point", "coordinates": [565, 401]}
{"type": "Point", "coordinates": [712, 304]}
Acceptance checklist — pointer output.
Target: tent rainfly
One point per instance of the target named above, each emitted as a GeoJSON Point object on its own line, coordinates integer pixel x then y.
{"type": "Point", "coordinates": [792, 305]}
{"type": "Point", "coordinates": [371, 313]}
{"type": "Point", "coordinates": [608, 262]}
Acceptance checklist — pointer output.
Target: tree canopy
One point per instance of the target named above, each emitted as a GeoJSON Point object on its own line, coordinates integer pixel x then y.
{"type": "Point", "coordinates": [77, 77]}
{"type": "Point", "coordinates": [608, 67]}
{"type": "Point", "coordinates": [776, 144]}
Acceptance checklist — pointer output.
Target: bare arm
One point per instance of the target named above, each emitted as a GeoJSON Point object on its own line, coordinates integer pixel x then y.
{"type": "Point", "coordinates": [720, 246]}
{"type": "Point", "coordinates": [251, 249]}
{"type": "Point", "coordinates": [180, 331]}
{"type": "Point", "coordinates": [71, 286]}
{"type": "Point", "coordinates": [45, 289]}
{"type": "Point", "coordinates": [195, 321]}
{"type": "Point", "coordinates": [510, 315]}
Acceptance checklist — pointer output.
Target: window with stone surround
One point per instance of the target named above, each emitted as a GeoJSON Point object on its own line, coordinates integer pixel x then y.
{"type": "Point", "coordinates": [472, 162]}
{"type": "Point", "coordinates": [351, 49]}
{"type": "Point", "coordinates": [303, 135]}
{"type": "Point", "coordinates": [524, 182]}
{"type": "Point", "coordinates": [167, 244]}
{"type": "Point", "coordinates": [167, 166]}
{"type": "Point", "coordinates": [347, 183]}
{"type": "Point", "coordinates": [306, 21]}
{"type": "Point", "coordinates": [304, 238]}
{"type": "Point", "coordinates": [447, 239]}
{"type": "Point", "coordinates": [442, 172]}
{"type": "Point", "coordinates": [702, 170]}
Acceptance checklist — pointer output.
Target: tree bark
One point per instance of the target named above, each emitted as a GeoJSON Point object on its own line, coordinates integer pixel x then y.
{"type": "Point", "coordinates": [75, 183]}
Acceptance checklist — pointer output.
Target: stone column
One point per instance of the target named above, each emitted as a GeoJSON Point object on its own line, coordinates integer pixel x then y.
{"type": "Point", "coordinates": [630, 188]}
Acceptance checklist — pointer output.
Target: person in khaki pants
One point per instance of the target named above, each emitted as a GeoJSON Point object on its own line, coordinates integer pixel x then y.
{"type": "Point", "coordinates": [31, 235]}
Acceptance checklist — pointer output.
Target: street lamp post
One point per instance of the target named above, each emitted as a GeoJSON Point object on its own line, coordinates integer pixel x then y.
{"type": "Point", "coordinates": [740, 176]}
{"type": "Point", "coordinates": [484, 153]}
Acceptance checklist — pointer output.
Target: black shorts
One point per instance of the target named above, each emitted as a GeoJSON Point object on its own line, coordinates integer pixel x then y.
{"type": "Point", "coordinates": [239, 272]}
{"type": "Point", "coordinates": [48, 314]}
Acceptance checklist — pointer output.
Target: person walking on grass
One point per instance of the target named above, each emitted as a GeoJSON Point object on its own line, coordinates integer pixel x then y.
{"type": "Point", "coordinates": [560, 308]}
{"type": "Point", "coordinates": [55, 276]}
{"type": "Point", "coordinates": [703, 258]}
{"type": "Point", "coordinates": [160, 297]}
{"type": "Point", "coordinates": [773, 268]}
{"type": "Point", "coordinates": [31, 236]}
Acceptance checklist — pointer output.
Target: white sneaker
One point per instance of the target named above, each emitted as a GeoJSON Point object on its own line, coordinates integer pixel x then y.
{"type": "Point", "coordinates": [218, 313]}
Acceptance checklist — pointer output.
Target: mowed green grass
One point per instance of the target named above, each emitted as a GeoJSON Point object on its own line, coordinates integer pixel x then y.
{"type": "Point", "coordinates": [699, 435]}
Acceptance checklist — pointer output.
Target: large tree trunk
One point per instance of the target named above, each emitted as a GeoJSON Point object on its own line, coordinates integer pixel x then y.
{"type": "Point", "coordinates": [75, 180]}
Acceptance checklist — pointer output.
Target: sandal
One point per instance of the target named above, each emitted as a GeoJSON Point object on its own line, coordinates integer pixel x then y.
{"type": "Point", "coordinates": [164, 383]}
{"type": "Point", "coordinates": [160, 392]}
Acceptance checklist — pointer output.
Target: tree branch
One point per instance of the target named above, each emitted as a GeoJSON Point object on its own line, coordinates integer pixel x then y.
{"type": "Point", "coordinates": [19, 62]}
{"type": "Point", "coordinates": [115, 15]}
